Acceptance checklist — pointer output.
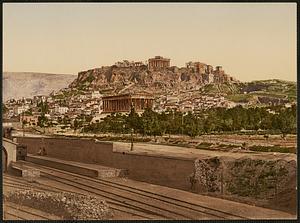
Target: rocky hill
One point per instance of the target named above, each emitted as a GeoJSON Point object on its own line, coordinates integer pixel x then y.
{"type": "Point", "coordinates": [176, 81]}
{"type": "Point", "coordinates": [113, 79]}
{"type": "Point", "coordinates": [182, 82]}
{"type": "Point", "coordinates": [27, 84]}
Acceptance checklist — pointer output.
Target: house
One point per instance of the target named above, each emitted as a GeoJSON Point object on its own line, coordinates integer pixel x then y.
{"type": "Point", "coordinates": [61, 110]}
{"type": "Point", "coordinates": [31, 120]}
{"type": "Point", "coordinates": [96, 94]}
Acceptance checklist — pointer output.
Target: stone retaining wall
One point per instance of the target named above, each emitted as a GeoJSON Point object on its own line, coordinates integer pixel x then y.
{"type": "Point", "coordinates": [166, 171]}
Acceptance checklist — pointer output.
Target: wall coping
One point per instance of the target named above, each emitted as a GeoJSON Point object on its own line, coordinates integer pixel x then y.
{"type": "Point", "coordinates": [67, 138]}
{"type": "Point", "coordinates": [53, 137]}
{"type": "Point", "coordinates": [164, 156]}
{"type": "Point", "coordinates": [9, 141]}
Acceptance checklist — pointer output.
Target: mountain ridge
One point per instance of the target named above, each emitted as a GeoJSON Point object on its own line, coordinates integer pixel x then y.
{"type": "Point", "coordinates": [28, 84]}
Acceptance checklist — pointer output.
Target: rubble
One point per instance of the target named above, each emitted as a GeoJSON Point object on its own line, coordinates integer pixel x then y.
{"type": "Point", "coordinates": [272, 180]}
{"type": "Point", "coordinates": [69, 206]}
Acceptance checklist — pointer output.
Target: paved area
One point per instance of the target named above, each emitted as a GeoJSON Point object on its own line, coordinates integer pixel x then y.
{"type": "Point", "coordinates": [190, 153]}
{"type": "Point", "coordinates": [90, 166]}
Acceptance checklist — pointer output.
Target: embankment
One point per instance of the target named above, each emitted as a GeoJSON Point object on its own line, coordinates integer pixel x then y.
{"type": "Point", "coordinates": [265, 180]}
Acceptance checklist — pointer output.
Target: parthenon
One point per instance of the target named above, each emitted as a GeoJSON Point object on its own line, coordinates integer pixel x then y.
{"type": "Point", "coordinates": [123, 103]}
{"type": "Point", "coordinates": [158, 62]}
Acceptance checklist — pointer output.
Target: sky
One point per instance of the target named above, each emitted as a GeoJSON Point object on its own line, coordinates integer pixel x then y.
{"type": "Point", "coordinates": [252, 41]}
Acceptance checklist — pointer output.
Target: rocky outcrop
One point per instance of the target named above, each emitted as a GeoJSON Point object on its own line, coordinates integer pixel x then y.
{"type": "Point", "coordinates": [119, 77]}
{"type": "Point", "coordinates": [271, 180]}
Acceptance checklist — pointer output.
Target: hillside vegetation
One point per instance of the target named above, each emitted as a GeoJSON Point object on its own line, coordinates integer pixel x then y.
{"type": "Point", "coordinates": [263, 90]}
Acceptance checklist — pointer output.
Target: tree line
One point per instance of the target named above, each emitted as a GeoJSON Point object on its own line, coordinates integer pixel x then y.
{"type": "Point", "coordinates": [277, 119]}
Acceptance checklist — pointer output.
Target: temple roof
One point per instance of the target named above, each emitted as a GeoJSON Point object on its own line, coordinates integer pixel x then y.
{"type": "Point", "coordinates": [145, 95]}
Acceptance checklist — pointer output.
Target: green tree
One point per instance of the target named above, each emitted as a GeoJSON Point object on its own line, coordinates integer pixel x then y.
{"type": "Point", "coordinates": [43, 107]}
{"type": "Point", "coordinates": [28, 112]}
{"type": "Point", "coordinates": [134, 121]}
{"type": "Point", "coordinates": [42, 121]}
{"type": "Point", "coordinates": [190, 125]}
{"type": "Point", "coordinates": [286, 122]}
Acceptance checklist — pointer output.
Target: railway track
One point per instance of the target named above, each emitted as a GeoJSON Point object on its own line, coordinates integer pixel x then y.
{"type": "Point", "coordinates": [117, 207]}
{"type": "Point", "coordinates": [23, 213]}
{"type": "Point", "coordinates": [12, 216]}
{"type": "Point", "coordinates": [154, 205]}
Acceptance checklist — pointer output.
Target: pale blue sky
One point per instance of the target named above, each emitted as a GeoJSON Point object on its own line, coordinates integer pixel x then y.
{"type": "Point", "coordinates": [250, 41]}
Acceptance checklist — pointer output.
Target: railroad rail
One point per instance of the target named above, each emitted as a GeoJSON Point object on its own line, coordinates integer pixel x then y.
{"type": "Point", "coordinates": [23, 213]}
{"type": "Point", "coordinates": [118, 207]}
{"type": "Point", "coordinates": [148, 204]}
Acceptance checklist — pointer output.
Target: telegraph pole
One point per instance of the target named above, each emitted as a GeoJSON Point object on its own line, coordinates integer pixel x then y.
{"type": "Point", "coordinates": [83, 125]}
{"type": "Point", "coordinates": [182, 124]}
{"type": "Point", "coordinates": [131, 145]}
{"type": "Point", "coordinates": [23, 123]}
{"type": "Point", "coordinates": [132, 130]}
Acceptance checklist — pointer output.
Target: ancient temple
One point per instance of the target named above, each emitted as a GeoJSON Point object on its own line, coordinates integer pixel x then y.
{"type": "Point", "coordinates": [158, 62]}
{"type": "Point", "coordinates": [123, 103]}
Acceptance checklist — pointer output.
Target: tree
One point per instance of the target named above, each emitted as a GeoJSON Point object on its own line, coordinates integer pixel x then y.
{"type": "Point", "coordinates": [28, 112]}
{"type": "Point", "coordinates": [147, 118]}
{"type": "Point", "coordinates": [209, 125]}
{"type": "Point", "coordinates": [43, 107]}
{"type": "Point", "coordinates": [75, 124]}
{"type": "Point", "coordinates": [286, 122]}
{"type": "Point", "coordinates": [190, 125]}
{"type": "Point", "coordinates": [24, 122]}
{"type": "Point", "coordinates": [42, 121]}
{"type": "Point", "coordinates": [133, 120]}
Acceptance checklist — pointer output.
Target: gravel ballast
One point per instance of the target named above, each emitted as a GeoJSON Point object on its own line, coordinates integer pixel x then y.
{"type": "Point", "coordinates": [69, 206]}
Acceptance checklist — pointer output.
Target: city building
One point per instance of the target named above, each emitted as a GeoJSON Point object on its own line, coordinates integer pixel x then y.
{"type": "Point", "coordinates": [158, 62]}
{"type": "Point", "coordinates": [31, 120]}
{"type": "Point", "coordinates": [61, 110]}
{"type": "Point", "coordinates": [172, 99]}
{"type": "Point", "coordinates": [96, 94]}
{"type": "Point", "coordinates": [21, 109]}
{"type": "Point", "coordinates": [123, 103]}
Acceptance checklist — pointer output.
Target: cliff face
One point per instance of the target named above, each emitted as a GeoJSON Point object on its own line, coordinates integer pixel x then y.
{"type": "Point", "coordinates": [135, 78]}
{"type": "Point", "coordinates": [27, 84]}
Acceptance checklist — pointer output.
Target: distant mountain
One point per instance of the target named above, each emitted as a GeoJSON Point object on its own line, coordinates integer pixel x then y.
{"type": "Point", "coordinates": [27, 84]}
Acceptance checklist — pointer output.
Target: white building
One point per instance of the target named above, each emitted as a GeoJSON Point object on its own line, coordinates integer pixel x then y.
{"type": "Point", "coordinates": [96, 94]}
{"type": "Point", "coordinates": [22, 109]}
{"type": "Point", "coordinates": [172, 99]}
{"type": "Point", "coordinates": [288, 105]}
{"type": "Point", "coordinates": [61, 110]}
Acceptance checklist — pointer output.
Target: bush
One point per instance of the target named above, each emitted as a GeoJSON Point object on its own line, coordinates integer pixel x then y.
{"type": "Point", "coordinates": [277, 149]}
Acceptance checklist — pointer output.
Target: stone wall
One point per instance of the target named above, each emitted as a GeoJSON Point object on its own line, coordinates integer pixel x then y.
{"type": "Point", "coordinates": [166, 171]}
{"type": "Point", "coordinates": [10, 151]}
